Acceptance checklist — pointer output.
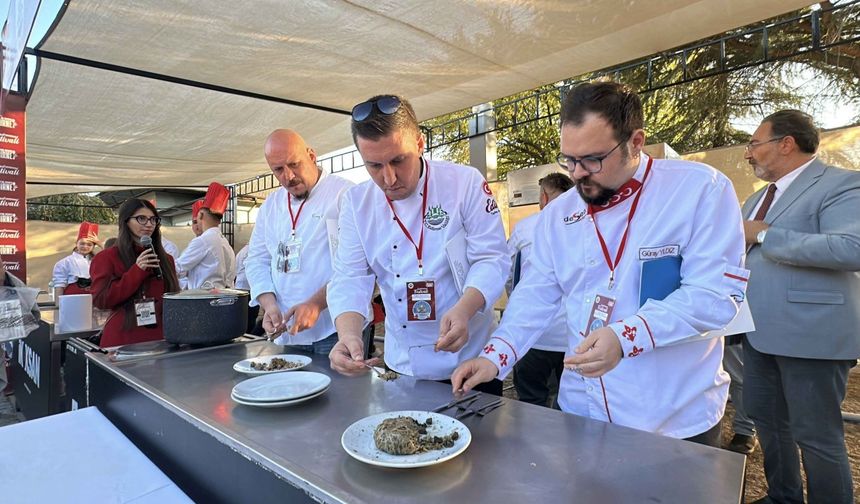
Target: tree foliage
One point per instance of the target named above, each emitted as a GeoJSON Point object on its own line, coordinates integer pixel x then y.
{"type": "Point", "coordinates": [70, 208]}
{"type": "Point", "coordinates": [703, 113]}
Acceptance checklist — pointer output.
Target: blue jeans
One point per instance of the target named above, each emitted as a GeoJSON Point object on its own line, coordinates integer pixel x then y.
{"type": "Point", "coordinates": [321, 347]}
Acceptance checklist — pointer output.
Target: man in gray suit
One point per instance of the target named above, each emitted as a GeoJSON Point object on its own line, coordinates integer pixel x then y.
{"type": "Point", "coordinates": [803, 238]}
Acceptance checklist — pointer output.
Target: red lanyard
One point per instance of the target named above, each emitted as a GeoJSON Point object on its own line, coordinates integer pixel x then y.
{"type": "Point", "coordinates": [620, 253]}
{"type": "Point", "coordinates": [419, 249]}
{"type": "Point", "coordinates": [295, 219]}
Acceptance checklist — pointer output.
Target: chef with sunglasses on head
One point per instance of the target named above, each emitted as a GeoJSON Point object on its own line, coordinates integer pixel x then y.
{"type": "Point", "coordinates": [395, 229]}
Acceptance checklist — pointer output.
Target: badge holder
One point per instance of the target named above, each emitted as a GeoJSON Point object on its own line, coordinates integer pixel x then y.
{"type": "Point", "coordinates": [144, 309]}
{"type": "Point", "coordinates": [290, 256]}
{"type": "Point", "coordinates": [421, 300]}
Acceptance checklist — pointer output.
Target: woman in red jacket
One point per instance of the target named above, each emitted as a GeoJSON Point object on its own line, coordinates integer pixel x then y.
{"type": "Point", "coordinates": [131, 280]}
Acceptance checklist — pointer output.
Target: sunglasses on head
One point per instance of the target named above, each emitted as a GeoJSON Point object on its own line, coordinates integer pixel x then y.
{"type": "Point", "coordinates": [386, 105]}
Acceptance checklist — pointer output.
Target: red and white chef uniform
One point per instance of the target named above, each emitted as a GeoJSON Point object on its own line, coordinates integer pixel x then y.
{"type": "Point", "coordinates": [449, 198]}
{"type": "Point", "coordinates": [72, 273]}
{"type": "Point", "coordinates": [209, 261]}
{"type": "Point", "coordinates": [670, 379]}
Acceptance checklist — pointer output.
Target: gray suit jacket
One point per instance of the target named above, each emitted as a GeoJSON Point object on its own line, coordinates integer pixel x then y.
{"type": "Point", "coordinates": [804, 285]}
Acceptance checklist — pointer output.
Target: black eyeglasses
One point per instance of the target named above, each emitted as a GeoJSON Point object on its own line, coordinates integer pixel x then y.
{"type": "Point", "coordinates": [591, 164]}
{"type": "Point", "coordinates": [752, 145]}
{"type": "Point", "coordinates": [387, 105]}
{"type": "Point", "coordinates": [142, 220]}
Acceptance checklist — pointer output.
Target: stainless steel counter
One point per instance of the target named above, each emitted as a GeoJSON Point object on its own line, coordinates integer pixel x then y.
{"type": "Point", "coordinates": [519, 452]}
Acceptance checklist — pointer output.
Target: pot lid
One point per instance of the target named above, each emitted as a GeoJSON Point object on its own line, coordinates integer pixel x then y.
{"type": "Point", "coordinates": [205, 294]}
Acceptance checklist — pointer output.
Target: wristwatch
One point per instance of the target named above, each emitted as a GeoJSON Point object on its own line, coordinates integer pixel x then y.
{"type": "Point", "coordinates": [759, 238]}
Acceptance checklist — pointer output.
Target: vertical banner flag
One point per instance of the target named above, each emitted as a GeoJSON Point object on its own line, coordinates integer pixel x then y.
{"type": "Point", "coordinates": [13, 198]}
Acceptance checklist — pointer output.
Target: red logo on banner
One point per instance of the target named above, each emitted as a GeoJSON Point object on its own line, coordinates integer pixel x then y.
{"type": "Point", "coordinates": [13, 198]}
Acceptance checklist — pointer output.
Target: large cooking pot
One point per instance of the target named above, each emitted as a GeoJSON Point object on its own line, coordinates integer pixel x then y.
{"type": "Point", "coordinates": [205, 317]}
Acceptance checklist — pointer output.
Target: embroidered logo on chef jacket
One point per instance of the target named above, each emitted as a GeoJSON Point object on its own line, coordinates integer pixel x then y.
{"type": "Point", "coordinates": [436, 218]}
{"type": "Point", "coordinates": [486, 189]}
{"type": "Point", "coordinates": [492, 207]}
{"type": "Point", "coordinates": [648, 253]}
{"type": "Point", "coordinates": [575, 217]}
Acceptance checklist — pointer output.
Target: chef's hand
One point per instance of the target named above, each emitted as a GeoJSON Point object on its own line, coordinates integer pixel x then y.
{"type": "Point", "coordinates": [273, 320]}
{"type": "Point", "coordinates": [147, 260]}
{"type": "Point", "coordinates": [304, 316]}
{"type": "Point", "coordinates": [347, 356]}
{"type": "Point", "coordinates": [597, 355]}
{"type": "Point", "coordinates": [471, 373]}
{"type": "Point", "coordinates": [752, 229]}
{"type": "Point", "coordinates": [453, 330]}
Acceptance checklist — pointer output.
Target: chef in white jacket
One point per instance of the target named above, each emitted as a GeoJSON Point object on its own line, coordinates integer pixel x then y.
{"type": "Point", "coordinates": [289, 259]}
{"type": "Point", "coordinates": [394, 229]}
{"type": "Point", "coordinates": [209, 261]}
{"type": "Point", "coordinates": [71, 274]}
{"type": "Point", "coordinates": [633, 223]}
{"type": "Point", "coordinates": [538, 374]}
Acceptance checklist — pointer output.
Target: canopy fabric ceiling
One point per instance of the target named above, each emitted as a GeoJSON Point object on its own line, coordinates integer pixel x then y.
{"type": "Point", "coordinates": [91, 126]}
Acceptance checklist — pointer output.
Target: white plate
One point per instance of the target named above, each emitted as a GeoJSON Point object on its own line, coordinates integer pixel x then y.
{"type": "Point", "coordinates": [357, 440]}
{"type": "Point", "coordinates": [277, 404]}
{"type": "Point", "coordinates": [245, 365]}
{"type": "Point", "coordinates": [281, 386]}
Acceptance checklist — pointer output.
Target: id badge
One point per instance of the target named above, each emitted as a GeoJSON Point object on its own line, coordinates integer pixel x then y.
{"type": "Point", "coordinates": [290, 256]}
{"type": "Point", "coordinates": [421, 301]}
{"type": "Point", "coordinates": [145, 311]}
{"type": "Point", "coordinates": [601, 310]}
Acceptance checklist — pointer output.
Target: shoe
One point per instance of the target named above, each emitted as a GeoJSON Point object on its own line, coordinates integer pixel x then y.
{"type": "Point", "coordinates": [742, 443]}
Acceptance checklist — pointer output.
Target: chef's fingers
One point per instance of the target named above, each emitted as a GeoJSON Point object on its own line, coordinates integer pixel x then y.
{"type": "Point", "coordinates": [472, 373]}
{"type": "Point", "coordinates": [588, 342]}
{"type": "Point", "coordinates": [342, 360]}
{"type": "Point", "coordinates": [453, 341]}
{"type": "Point", "coordinates": [272, 320]}
{"type": "Point", "coordinates": [289, 314]}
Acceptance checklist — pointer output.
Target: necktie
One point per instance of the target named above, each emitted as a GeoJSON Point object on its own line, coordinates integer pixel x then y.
{"type": "Point", "coordinates": [765, 205]}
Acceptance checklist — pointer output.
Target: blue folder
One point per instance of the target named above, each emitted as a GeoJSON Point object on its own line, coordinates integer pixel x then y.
{"type": "Point", "coordinates": [660, 277]}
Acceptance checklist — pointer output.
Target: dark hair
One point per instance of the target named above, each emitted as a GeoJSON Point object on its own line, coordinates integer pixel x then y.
{"type": "Point", "coordinates": [797, 125]}
{"type": "Point", "coordinates": [110, 242]}
{"type": "Point", "coordinates": [615, 102]}
{"type": "Point", "coordinates": [556, 182]}
{"type": "Point", "coordinates": [125, 244]}
{"type": "Point", "coordinates": [378, 125]}
{"type": "Point", "coordinates": [212, 214]}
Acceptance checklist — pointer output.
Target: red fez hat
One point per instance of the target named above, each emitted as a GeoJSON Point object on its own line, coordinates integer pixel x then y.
{"type": "Point", "coordinates": [195, 208]}
{"type": "Point", "coordinates": [88, 229]}
{"type": "Point", "coordinates": [216, 198]}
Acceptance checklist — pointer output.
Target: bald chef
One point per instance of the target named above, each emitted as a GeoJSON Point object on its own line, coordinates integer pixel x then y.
{"type": "Point", "coordinates": [209, 262]}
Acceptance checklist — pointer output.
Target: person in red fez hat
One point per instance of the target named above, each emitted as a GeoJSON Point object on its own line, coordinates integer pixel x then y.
{"type": "Point", "coordinates": [209, 261]}
{"type": "Point", "coordinates": [195, 215]}
{"type": "Point", "coordinates": [72, 273]}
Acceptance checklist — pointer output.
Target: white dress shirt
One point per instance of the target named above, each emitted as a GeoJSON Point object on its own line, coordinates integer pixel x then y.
{"type": "Point", "coordinates": [170, 247]}
{"type": "Point", "coordinates": [373, 247]}
{"type": "Point", "coordinates": [273, 227]}
{"type": "Point", "coordinates": [69, 269]}
{"type": "Point", "coordinates": [670, 379]}
{"type": "Point", "coordinates": [241, 276]}
{"type": "Point", "coordinates": [554, 339]}
{"type": "Point", "coordinates": [208, 262]}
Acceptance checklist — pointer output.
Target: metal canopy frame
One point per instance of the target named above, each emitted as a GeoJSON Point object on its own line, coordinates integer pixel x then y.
{"type": "Point", "coordinates": [672, 68]}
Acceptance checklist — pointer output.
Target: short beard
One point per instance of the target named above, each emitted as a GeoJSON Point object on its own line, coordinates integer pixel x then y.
{"type": "Point", "coordinates": [602, 197]}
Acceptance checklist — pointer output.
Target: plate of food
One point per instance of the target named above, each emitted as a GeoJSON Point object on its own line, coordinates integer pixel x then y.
{"type": "Point", "coordinates": [268, 364]}
{"type": "Point", "coordinates": [406, 439]}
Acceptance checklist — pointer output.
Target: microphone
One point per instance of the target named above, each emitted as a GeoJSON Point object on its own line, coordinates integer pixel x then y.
{"type": "Point", "coordinates": [146, 242]}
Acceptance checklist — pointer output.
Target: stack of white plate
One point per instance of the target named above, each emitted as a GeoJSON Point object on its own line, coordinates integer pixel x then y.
{"type": "Point", "coordinates": [244, 366]}
{"type": "Point", "coordinates": [281, 389]}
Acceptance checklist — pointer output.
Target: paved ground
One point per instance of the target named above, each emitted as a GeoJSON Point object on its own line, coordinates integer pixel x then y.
{"type": "Point", "coordinates": [8, 415]}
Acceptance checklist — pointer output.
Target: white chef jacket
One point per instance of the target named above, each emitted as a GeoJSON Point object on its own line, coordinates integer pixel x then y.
{"type": "Point", "coordinates": [371, 244]}
{"type": "Point", "coordinates": [69, 269]}
{"type": "Point", "coordinates": [554, 339]}
{"type": "Point", "coordinates": [170, 247]}
{"type": "Point", "coordinates": [670, 380]}
{"type": "Point", "coordinates": [273, 226]}
{"type": "Point", "coordinates": [241, 277]}
{"type": "Point", "coordinates": [208, 262]}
